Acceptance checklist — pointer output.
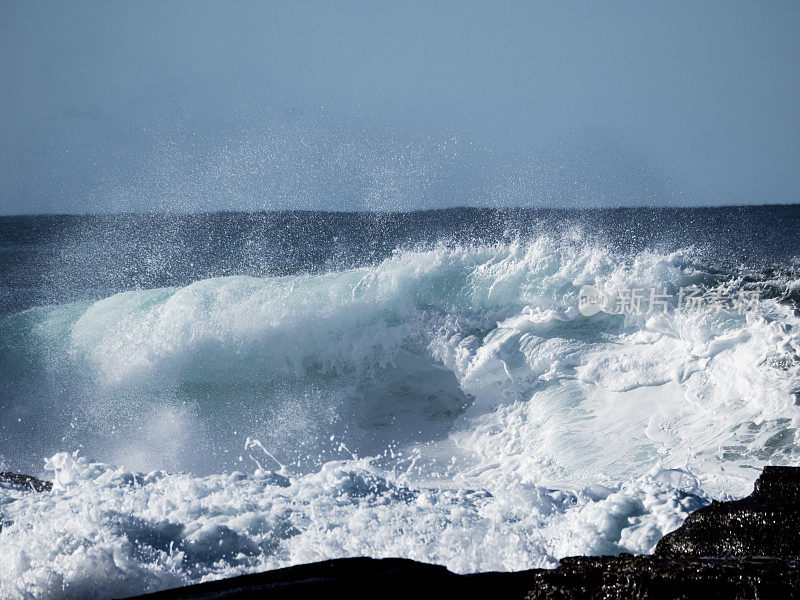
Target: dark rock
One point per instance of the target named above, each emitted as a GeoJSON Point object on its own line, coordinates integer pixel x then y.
{"type": "Point", "coordinates": [653, 578]}
{"type": "Point", "coordinates": [765, 523]}
{"type": "Point", "coordinates": [26, 482]}
{"type": "Point", "coordinates": [748, 549]}
{"type": "Point", "coordinates": [356, 578]}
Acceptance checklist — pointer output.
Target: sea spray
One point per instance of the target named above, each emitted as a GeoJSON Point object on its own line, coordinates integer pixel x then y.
{"type": "Point", "coordinates": [448, 403]}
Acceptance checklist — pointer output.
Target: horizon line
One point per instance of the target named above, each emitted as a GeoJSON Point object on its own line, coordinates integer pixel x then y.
{"type": "Point", "coordinates": [571, 209]}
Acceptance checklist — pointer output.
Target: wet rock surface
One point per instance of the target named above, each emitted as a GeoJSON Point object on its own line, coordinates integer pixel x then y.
{"type": "Point", "coordinates": [25, 482]}
{"type": "Point", "coordinates": [358, 578]}
{"type": "Point", "coordinates": [766, 523]}
{"type": "Point", "coordinates": [744, 549]}
{"type": "Point", "coordinates": [656, 578]}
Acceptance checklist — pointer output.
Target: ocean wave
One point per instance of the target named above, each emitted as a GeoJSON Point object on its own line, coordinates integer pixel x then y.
{"type": "Point", "coordinates": [454, 393]}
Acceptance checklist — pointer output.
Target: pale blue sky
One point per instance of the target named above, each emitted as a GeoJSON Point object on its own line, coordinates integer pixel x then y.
{"type": "Point", "coordinates": [184, 106]}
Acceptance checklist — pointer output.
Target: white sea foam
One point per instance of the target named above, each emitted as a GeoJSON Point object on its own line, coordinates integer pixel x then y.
{"type": "Point", "coordinates": [107, 532]}
{"type": "Point", "coordinates": [449, 405]}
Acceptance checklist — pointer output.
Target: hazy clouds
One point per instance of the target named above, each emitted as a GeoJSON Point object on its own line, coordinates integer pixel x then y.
{"type": "Point", "coordinates": [148, 106]}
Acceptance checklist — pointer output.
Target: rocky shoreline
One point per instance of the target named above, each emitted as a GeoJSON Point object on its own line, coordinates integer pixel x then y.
{"type": "Point", "coordinates": [25, 482]}
{"type": "Point", "coordinates": [744, 549]}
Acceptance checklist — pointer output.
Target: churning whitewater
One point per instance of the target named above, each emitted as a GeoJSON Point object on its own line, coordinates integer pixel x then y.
{"type": "Point", "coordinates": [447, 403]}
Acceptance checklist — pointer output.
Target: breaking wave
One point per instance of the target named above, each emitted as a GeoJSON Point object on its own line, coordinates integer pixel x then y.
{"type": "Point", "coordinates": [449, 404]}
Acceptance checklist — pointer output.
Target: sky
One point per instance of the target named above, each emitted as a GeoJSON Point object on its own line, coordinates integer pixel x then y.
{"type": "Point", "coordinates": [154, 106]}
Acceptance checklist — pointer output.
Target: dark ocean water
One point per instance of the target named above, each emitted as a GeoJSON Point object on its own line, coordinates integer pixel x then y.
{"type": "Point", "coordinates": [55, 259]}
